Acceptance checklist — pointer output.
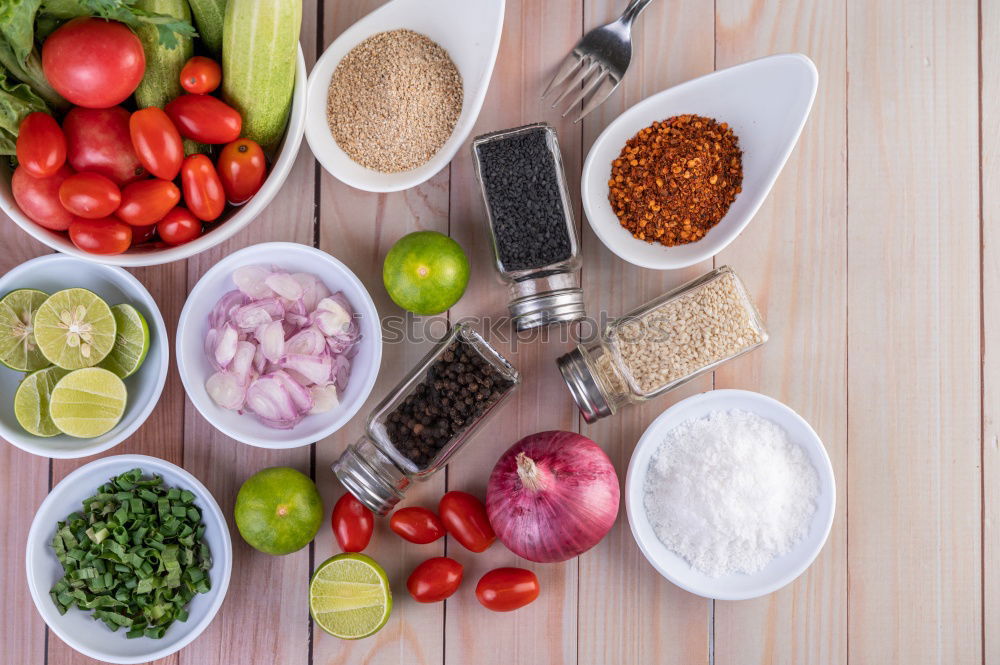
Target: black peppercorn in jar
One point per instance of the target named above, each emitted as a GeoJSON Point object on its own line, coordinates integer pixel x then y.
{"type": "Point", "coordinates": [530, 223]}
{"type": "Point", "coordinates": [417, 428]}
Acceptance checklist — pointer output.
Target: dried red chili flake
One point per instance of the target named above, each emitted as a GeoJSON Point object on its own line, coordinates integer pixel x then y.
{"type": "Point", "coordinates": [676, 179]}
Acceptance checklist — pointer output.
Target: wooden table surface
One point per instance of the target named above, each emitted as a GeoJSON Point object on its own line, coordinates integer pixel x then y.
{"type": "Point", "coordinates": [874, 261]}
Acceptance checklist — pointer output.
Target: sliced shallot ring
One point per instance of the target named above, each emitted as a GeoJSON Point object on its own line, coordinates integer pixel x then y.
{"type": "Point", "coordinates": [226, 390]}
{"type": "Point", "coordinates": [225, 348]}
{"type": "Point", "coordinates": [272, 340]}
{"type": "Point", "coordinates": [284, 285]}
{"type": "Point", "coordinates": [252, 280]}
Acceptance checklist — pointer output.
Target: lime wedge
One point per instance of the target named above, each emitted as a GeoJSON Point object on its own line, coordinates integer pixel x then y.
{"type": "Point", "coordinates": [131, 342]}
{"type": "Point", "coordinates": [88, 402]}
{"type": "Point", "coordinates": [74, 329]}
{"type": "Point", "coordinates": [18, 349]}
{"type": "Point", "coordinates": [31, 401]}
{"type": "Point", "coordinates": [349, 596]}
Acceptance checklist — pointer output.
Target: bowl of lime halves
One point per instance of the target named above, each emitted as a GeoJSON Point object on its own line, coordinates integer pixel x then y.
{"type": "Point", "coordinates": [83, 356]}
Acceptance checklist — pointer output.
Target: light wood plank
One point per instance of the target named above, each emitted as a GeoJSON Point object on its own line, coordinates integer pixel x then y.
{"type": "Point", "coordinates": [359, 228]}
{"type": "Point", "coordinates": [628, 612]}
{"type": "Point", "coordinates": [536, 36]}
{"type": "Point", "coordinates": [913, 333]}
{"type": "Point", "coordinates": [802, 291]}
{"type": "Point", "coordinates": [990, 169]}
{"type": "Point", "coordinates": [24, 482]}
{"type": "Point", "coordinates": [159, 436]}
{"type": "Point", "coordinates": [265, 618]}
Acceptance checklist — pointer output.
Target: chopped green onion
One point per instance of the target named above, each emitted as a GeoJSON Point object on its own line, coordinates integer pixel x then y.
{"type": "Point", "coordinates": [134, 555]}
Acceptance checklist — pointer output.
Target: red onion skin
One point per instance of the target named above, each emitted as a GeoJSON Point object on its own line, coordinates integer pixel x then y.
{"type": "Point", "coordinates": [552, 496]}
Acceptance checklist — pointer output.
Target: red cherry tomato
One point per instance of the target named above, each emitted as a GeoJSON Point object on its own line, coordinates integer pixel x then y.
{"type": "Point", "coordinates": [417, 525]}
{"type": "Point", "coordinates": [434, 579]}
{"type": "Point", "coordinates": [147, 201]}
{"type": "Point", "coordinates": [141, 234]}
{"type": "Point", "coordinates": [464, 516]}
{"type": "Point", "coordinates": [38, 198]}
{"type": "Point", "coordinates": [157, 142]}
{"type": "Point", "coordinates": [93, 63]}
{"type": "Point", "coordinates": [506, 589]}
{"type": "Point", "coordinates": [353, 523]}
{"type": "Point", "coordinates": [89, 195]}
{"type": "Point", "coordinates": [106, 235]}
{"type": "Point", "coordinates": [205, 119]}
{"type": "Point", "coordinates": [178, 227]}
{"type": "Point", "coordinates": [203, 191]}
{"type": "Point", "coordinates": [201, 75]}
{"type": "Point", "coordinates": [98, 140]}
{"type": "Point", "coordinates": [242, 170]}
{"type": "Point", "coordinates": [41, 145]}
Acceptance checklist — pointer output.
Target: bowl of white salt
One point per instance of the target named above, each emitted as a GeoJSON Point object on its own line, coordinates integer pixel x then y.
{"type": "Point", "coordinates": [730, 494]}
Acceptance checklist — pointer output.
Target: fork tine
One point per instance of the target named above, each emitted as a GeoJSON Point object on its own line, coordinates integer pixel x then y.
{"type": "Point", "coordinates": [569, 65]}
{"type": "Point", "coordinates": [595, 80]}
{"type": "Point", "coordinates": [589, 65]}
{"type": "Point", "coordinates": [600, 95]}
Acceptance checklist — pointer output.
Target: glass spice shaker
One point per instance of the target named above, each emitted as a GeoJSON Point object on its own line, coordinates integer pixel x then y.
{"type": "Point", "coordinates": [663, 344]}
{"type": "Point", "coordinates": [426, 419]}
{"type": "Point", "coordinates": [530, 222]}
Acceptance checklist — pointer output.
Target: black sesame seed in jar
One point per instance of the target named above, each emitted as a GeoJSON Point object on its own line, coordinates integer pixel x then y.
{"type": "Point", "coordinates": [520, 179]}
{"type": "Point", "coordinates": [457, 389]}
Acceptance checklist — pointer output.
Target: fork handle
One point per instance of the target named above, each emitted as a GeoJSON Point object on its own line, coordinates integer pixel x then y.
{"type": "Point", "coordinates": [633, 10]}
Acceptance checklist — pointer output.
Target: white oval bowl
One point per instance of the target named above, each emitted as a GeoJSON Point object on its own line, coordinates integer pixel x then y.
{"type": "Point", "coordinates": [783, 569]}
{"type": "Point", "coordinates": [473, 49]}
{"type": "Point", "coordinates": [77, 628]}
{"type": "Point", "coordinates": [54, 272]}
{"type": "Point", "coordinates": [765, 101]}
{"type": "Point", "coordinates": [237, 220]}
{"type": "Point", "coordinates": [195, 367]}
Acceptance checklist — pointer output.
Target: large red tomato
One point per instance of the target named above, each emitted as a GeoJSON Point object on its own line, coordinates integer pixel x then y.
{"type": "Point", "coordinates": [98, 140]}
{"type": "Point", "coordinates": [93, 62]}
{"type": "Point", "coordinates": [38, 198]}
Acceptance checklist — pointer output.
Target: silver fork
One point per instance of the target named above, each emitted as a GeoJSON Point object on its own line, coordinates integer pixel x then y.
{"type": "Point", "coordinates": [598, 61]}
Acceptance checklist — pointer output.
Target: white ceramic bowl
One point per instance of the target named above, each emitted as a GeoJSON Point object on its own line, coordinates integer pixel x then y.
{"type": "Point", "coordinates": [473, 48]}
{"type": "Point", "coordinates": [77, 628]}
{"type": "Point", "coordinates": [195, 367]}
{"type": "Point", "coordinates": [781, 570]}
{"type": "Point", "coordinates": [149, 255]}
{"type": "Point", "coordinates": [55, 272]}
{"type": "Point", "coordinates": [765, 101]}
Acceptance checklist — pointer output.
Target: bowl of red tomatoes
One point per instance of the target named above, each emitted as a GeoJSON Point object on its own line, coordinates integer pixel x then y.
{"type": "Point", "coordinates": [109, 178]}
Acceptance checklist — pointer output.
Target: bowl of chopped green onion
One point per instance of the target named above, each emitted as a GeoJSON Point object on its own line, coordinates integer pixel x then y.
{"type": "Point", "coordinates": [128, 559]}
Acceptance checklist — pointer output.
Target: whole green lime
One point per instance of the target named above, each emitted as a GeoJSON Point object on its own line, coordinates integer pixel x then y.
{"type": "Point", "coordinates": [278, 510]}
{"type": "Point", "coordinates": [425, 272]}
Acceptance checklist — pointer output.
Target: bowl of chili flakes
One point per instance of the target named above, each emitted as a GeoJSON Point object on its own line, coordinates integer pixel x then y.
{"type": "Point", "coordinates": [677, 177]}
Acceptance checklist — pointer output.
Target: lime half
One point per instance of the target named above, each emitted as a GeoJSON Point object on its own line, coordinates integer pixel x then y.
{"type": "Point", "coordinates": [88, 402]}
{"type": "Point", "coordinates": [18, 349]}
{"type": "Point", "coordinates": [131, 341]}
{"type": "Point", "coordinates": [31, 401]}
{"type": "Point", "coordinates": [349, 596]}
{"type": "Point", "coordinates": [74, 329]}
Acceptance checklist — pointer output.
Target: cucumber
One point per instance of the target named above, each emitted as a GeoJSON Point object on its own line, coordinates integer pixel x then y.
{"type": "Point", "coordinates": [260, 42]}
{"type": "Point", "coordinates": [162, 80]}
{"type": "Point", "coordinates": [208, 18]}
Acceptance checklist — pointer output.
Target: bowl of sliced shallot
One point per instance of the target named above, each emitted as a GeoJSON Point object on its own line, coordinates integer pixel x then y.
{"type": "Point", "coordinates": [279, 345]}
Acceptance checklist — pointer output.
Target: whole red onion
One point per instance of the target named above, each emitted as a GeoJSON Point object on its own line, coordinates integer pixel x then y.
{"type": "Point", "coordinates": [552, 496]}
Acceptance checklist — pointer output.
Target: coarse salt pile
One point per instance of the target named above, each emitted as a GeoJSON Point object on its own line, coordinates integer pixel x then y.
{"type": "Point", "coordinates": [729, 492]}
